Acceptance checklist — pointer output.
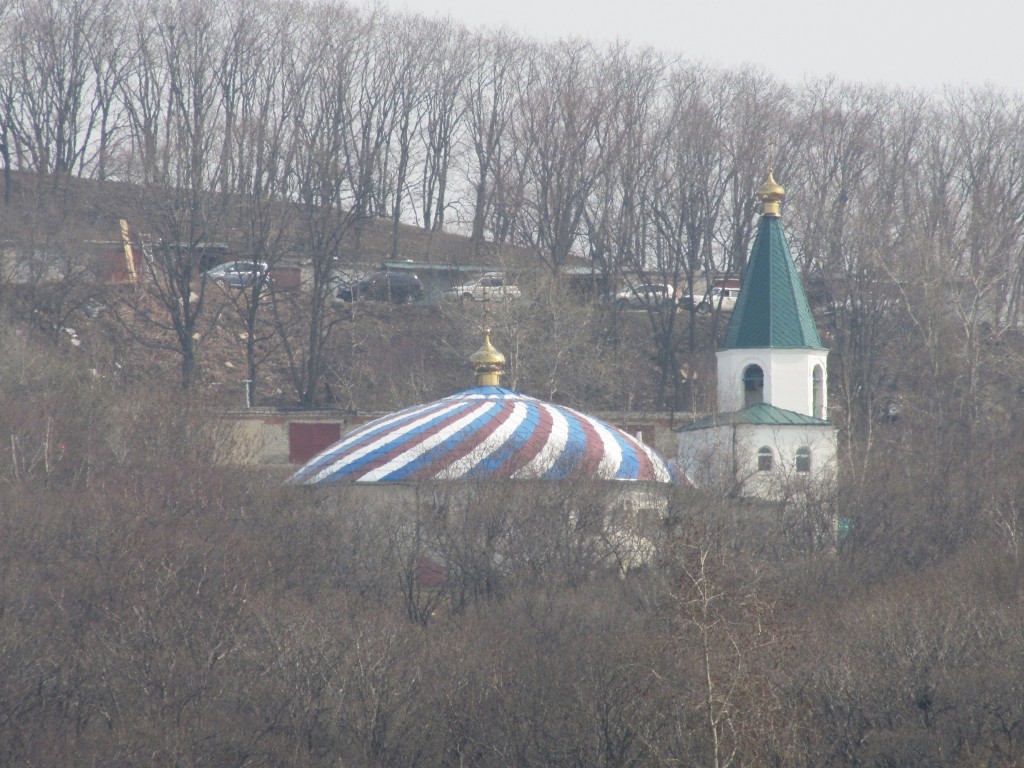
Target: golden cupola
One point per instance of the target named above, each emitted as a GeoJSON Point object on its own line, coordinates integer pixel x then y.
{"type": "Point", "coordinates": [487, 363]}
{"type": "Point", "coordinates": [771, 193]}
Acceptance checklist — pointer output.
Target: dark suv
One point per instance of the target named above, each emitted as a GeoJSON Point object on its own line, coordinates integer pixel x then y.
{"type": "Point", "coordinates": [396, 287]}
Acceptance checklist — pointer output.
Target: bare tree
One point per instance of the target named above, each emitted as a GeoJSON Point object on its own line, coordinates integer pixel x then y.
{"type": "Point", "coordinates": [684, 204]}
{"type": "Point", "coordinates": [445, 116]}
{"type": "Point", "coordinates": [491, 98]}
{"type": "Point", "coordinates": [722, 629]}
{"type": "Point", "coordinates": [843, 221]}
{"type": "Point", "coordinates": [181, 202]}
{"type": "Point", "coordinates": [962, 289]}
{"type": "Point", "coordinates": [7, 96]}
{"type": "Point", "coordinates": [55, 114]}
{"type": "Point", "coordinates": [143, 93]}
{"type": "Point", "coordinates": [617, 217]}
{"type": "Point", "coordinates": [111, 55]}
{"type": "Point", "coordinates": [330, 185]}
{"type": "Point", "coordinates": [408, 61]}
{"type": "Point", "coordinates": [369, 105]}
{"type": "Point", "coordinates": [261, 86]}
{"type": "Point", "coordinates": [760, 130]}
{"type": "Point", "coordinates": [558, 138]}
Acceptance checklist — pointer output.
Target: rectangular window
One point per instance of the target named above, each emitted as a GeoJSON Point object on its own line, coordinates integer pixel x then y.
{"type": "Point", "coordinates": [803, 459]}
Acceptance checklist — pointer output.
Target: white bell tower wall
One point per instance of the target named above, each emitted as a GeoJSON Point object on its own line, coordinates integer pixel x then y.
{"type": "Point", "coordinates": [789, 379]}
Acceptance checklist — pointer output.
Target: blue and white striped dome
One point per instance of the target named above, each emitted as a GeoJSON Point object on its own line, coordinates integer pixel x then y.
{"type": "Point", "coordinates": [485, 433]}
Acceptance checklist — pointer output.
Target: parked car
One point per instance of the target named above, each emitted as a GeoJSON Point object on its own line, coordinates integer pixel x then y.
{"type": "Point", "coordinates": [395, 287]}
{"type": "Point", "coordinates": [645, 295]}
{"type": "Point", "coordinates": [723, 296]}
{"type": "Point", "coordinates": [492, 286]}
{"type": "Point", "coordinates": [238, 274]}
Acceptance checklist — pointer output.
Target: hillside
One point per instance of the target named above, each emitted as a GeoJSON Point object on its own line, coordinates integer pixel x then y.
{"type": "Point", "coordinates": [376, 356]}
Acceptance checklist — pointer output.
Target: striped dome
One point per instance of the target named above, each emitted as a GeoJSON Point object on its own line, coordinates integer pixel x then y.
{"type": "Point", "coordinates": [485, 432]}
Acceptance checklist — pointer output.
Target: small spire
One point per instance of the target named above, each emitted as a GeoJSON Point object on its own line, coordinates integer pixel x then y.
{"type": "Point", "coordinates": [771, 193]}
{"type": "Point", "coordinates": [487, 362]}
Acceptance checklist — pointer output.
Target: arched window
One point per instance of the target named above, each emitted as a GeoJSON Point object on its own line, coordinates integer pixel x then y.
{"type": "Point", "coordinates": [765, 459]}
{"type": "Point", "coordinates": [753, 385]}
{"type": "Point", "coordinates": [803, 459]}
{"type": "Point", "coordinates": [818, 393]}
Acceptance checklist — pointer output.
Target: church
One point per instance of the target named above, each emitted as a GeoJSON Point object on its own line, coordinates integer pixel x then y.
{"type": "Point", "coordinates": [770, 435]}
{"type": "Point", "coordinates": [550, 480]}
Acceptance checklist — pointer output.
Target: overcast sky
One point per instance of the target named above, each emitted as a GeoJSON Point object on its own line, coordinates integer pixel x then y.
{"type": "Point", "coordinates": [899, 42]}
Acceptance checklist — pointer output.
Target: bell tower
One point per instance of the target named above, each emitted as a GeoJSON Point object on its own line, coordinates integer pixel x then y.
{"type": "Point", "coordinates": [770, 432]}
{"type": "Point", "coordinates": [772, 352]}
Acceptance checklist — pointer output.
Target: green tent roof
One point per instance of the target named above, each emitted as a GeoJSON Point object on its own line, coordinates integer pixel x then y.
{"type": "Point", "coordinates": [761, 414]}
{"type": "Point", "coordinates": [772, 308]}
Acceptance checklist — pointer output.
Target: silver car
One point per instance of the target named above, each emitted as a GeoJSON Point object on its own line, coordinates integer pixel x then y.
{"type": "Point", "coordinates": [645, 295]}
{"type": "Point", "coordinates": [491, 286]}
{"type": "Point", "coordinates": [238, 274]}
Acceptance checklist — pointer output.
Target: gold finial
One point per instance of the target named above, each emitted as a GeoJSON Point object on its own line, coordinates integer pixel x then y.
{"type": "Point", "coordinates": [771, 195]}
{"type": "Point", "coordinates": [487, 362]}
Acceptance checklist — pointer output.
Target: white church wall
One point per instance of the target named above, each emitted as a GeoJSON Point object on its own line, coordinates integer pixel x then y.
{"type": "Point", "coordinates": [785, 442]}
{"type": "Point", "coordinates": [726, 458]}
{"type": "Point", "coordinates": [789, 381]}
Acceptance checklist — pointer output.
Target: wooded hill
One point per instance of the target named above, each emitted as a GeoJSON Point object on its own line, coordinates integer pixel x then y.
{"type": "Point", "coordinates": [160, 608]}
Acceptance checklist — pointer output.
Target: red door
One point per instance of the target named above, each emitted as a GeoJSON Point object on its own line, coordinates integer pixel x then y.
{"type": "Point", "coordinates": [307, 439]}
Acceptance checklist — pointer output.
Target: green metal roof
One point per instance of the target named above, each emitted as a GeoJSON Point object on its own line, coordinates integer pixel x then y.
{"type": "Point", "coordinates": [760, 415]}
{"type": "Point", "coordinates": [772, 308]}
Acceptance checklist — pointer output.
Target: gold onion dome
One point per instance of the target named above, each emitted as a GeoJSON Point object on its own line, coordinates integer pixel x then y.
{"type": "Point", "coordinates": [487, 363]}
{"type": "Point", "coordinates": [771, 193]}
